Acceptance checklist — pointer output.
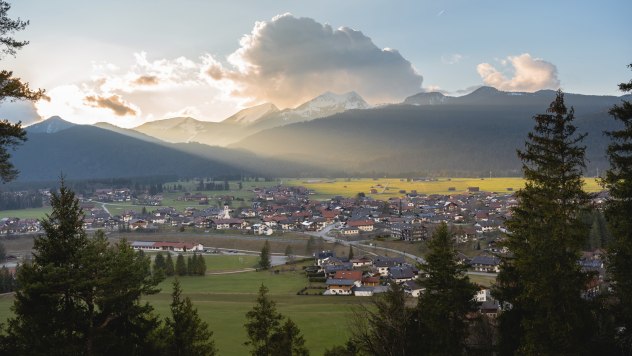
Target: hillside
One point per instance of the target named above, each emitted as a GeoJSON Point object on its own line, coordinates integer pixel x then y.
{"type": "Point", "coordinates": [468, 135]}
{"type": "Point", "coordinates": [84, 152]}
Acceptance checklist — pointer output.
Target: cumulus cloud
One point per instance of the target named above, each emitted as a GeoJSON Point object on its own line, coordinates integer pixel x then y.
{"type": "Point", "coordinates": [146, 80]}
{"type": "Point", "coordinates": [529, 74]}
{"type": "Point", "coordinates": [113, 102]}
{"type": "Point", "coordinates": [19, 111]}
{"type": "Point", "coordinates": [452, 59]}
{"type": "Point", "coordinates": [289, 60]}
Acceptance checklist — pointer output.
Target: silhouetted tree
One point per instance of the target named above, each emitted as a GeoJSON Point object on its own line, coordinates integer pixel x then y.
{"type": "Point", "coordinates": [264, 257]}
{"type": "Point", "coordinates": [541, 278]}
{"type": "Point", "coordinates": [11, 88]}
{"type": "Point", "coordinates": [618, 181]}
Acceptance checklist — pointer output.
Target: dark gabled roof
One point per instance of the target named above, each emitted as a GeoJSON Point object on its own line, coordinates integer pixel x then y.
{"type": "Point", "coordinates": [340, 282]}
{"type": "Point", "coordinates": [401, 272]}
{"type": "Point", "coordinates": [485, 260]}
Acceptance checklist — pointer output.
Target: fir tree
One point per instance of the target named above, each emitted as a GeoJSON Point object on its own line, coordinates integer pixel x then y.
{"type": "Point", "coordinates": [159, 265]}
{"type": "Point", "coordinates": [618, 181]}
{"type": "Point", "coordinates": [191, 267]}
{"type": "Point", "coordinates": [541, 278]}
{"type": "Point", "coordinates": [181, 266]}
{"type": "Point", "coordinates": [288, 341]}
{"type": "Point", "coordinates": [169, 268]}
{"type": "Point", "coordinates": [80, 295]}
{"type": "Point", "coordinates": [350, 252]}
{"type": "Point", "coordinates": [442, 308]}
{"type": "Point", "coordinates": [185, 333]}
{"type": "Point", "coordinates": [262, 323]}
{"type": "Point", "coordinates": [384, 327]}
{"type": "Point", "coordinates": [201, 265]}
{"type": "Point", "coordinates": [264, 257]}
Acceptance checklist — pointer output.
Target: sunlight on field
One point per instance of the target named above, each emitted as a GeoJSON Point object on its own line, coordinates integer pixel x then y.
{"type": "Point", "coordinates": [385, 188]}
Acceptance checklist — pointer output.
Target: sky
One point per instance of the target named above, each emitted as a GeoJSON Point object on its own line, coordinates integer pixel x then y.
{"type": "Point", "coordinates": [127, 62]}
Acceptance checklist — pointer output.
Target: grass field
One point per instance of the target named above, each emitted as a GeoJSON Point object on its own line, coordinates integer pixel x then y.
{"type": "Point", "coordinates": [390, 187]}
{"type": "Point", "coordinates": [36, 213]}
{"type": "Point", "coordinates": [223, 300]}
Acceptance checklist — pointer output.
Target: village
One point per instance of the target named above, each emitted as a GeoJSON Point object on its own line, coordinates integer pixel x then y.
{"type": "Point", "coordinates": [475, 220]}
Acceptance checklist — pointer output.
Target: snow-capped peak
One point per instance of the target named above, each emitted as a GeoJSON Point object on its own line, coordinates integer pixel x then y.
{"type": "Point", "coordinates": [330, 103]}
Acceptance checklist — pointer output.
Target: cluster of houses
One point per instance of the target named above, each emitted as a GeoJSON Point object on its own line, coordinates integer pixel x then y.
{"type": "Point", "coordinates": [167, 246]}
{"type": "Point", "coordinates": [10, 226]}
{"type": "Point", "coordinates": [365, 277]}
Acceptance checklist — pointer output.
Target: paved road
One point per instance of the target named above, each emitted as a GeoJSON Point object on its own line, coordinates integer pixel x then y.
{"type": "Point", "coordinates": [324, 233]}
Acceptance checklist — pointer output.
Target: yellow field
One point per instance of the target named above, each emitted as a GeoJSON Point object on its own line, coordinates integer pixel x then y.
{"type": "Point", "coordinates": [390, 187]}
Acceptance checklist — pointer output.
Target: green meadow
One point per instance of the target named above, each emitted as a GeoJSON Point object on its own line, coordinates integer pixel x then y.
{"type": "Point", "coordinates": [223, 300]}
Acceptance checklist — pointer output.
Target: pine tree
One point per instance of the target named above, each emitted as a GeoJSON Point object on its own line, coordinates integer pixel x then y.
{"type": "Point", "coordinates": [442, 308]}
{"type": "Point", "coordinates": [618, 181]}
{"type": "Point", "coordinates": [383, 328]}
{"type": "Point", "coordinates": [262, 323]}
{"type": "Point", "coordinates": [80, 295]}
{"type": "Point", "coordinates": [288, 341]}
{"type": "Point", "coordinates": [541, 278]}
{"type": "Point", "coordinates": [159, 265]}
{"type": "Point", "coordinates": [11, 135]}
{"type": "Point", "coordinates": [201, 266]}
{"type": "Point", "coordinates": [185, 333]}
{"type": "Point", "coordinates": [181, 266]}
{"type": "Point", "coordinates": [169, 268]}
{"type": "Point", "coordinates": [264, 257]}
{"type": "Point", "coordinates": [350, 252]}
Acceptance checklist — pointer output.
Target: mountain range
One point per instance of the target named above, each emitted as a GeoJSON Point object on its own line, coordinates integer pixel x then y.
{"type": "Point", "coordinates": [427, 134]}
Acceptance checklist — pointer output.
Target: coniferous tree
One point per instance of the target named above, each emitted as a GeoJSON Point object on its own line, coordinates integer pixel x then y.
{"type": "Point", "coordinates": [541, 278]}
{"type": "Point", "coordinates": [159, 265]}
{"type": "Point", "coordinates": [262, 323]}
{"type": "Point", "coordinates": [441, 325]}
{"type": "Point", "coordinates": [169, 268]}
{"type": "Point", "coordinates": [181, 266]}
{"type": "Point", "coordinates": [80, 295]}
{"type": "Point", "coordinates": [264, 257]}
{"type": "Point", "coordinates": [11, 88]}
{"type": "Point", "coordinates": [288, 341]}
{"type": "Point", "coordinates": [618, 181]}
{"type": "Point", "coordinates": [185, 333]}
{"type": "Point", "coordinates": [384, 327]}
{"type": "Point", "coordinates": [350, 252]}
{"type": "Point", "coordinates": [201, 265]}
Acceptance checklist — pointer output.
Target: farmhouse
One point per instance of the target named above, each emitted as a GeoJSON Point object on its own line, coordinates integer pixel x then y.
{"type": "Point", "coordinates": [166, 246]}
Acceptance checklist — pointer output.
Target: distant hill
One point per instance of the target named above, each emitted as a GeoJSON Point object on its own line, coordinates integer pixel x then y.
{"type": "Point", "coordinates": [86, 152]}
{"type": "Point", "coordinates": [473, 134]}
{"type": "Point", "coordinates": [249, 121]}
{"type": "Point", "coordinates": [51, 125]}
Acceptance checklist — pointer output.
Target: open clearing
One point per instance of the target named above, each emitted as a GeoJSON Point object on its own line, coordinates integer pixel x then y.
{"type": "Point", "coordinates": [223, 300]}
{"type": "Point", "coordinates": [390, 187]}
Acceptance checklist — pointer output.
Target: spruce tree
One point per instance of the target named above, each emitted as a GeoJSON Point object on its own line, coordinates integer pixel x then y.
{"type": "Point", "coordinates": [383, 328]}
{"type": "Point", "coordinates": [181, 266]}
{"type": "Point", "coordinates": [159, 265]}
{"type": "Point", "coordinates": [264, 257]}
{"type": "Point", "coordinates": [618, 181]}
{"type": "Point", "coordinates": [441, 325]}
{"type": "Point", "coordinates": [262, 323]}
{"type": "Point", "coordinates": [288, 341]}
{"type": "Point", "coordinates": [350, 252]}
{"type": "Point", "coordinates": [541, 278]}
{"type": "Point", "coordinates": [79, 295]}
{"type": "Point", "coordinates": [191, 267]}
{"type": "Point", "coordinates": [169, 268]}
{"type": "Point", "coordinates": [201, 265]}
{"type": "Point", "coordinates": [185, 333]}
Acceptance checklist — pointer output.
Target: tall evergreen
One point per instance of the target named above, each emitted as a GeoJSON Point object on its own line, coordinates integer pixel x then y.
{"type": "Point", "coordinates": [262, 323]}
{"type": "Point", "coordinates": [441, 325]}
{"type": "Point", "coordinates": [169, 267]}
{"type": "Point", "coordinates": [540, 277]}
{"type": "Point", "coordinates": [383, 328]}
{"type": "Point", "coordinates": [288, 341]}
{"type": "Point", "coordinates": [181, 266]}
{"type": "Point", "coordinates": [185, 333]}
{"type": "Point", "coordinates": [79, 295]}
{"type": "Point", "coordinates": [618, 181]}
{"type": "Point", "coordinates": [201, 265]}
{"type": "Point", "coordinates": [159, 265]}
{"type": "Point", "coordinates": [264, 257]}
